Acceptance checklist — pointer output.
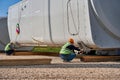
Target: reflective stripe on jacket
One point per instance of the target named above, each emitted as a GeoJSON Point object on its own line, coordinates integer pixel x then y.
{"type": "Point", "coordinates": [65, 50]}
{"type": "Point", "coordinates": [7, 47]}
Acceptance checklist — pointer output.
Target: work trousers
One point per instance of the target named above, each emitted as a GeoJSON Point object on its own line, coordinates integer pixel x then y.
{"type": "Point", "coordinates": [68, 57]}
{"type": "Point", "coordinates": [9, 52]}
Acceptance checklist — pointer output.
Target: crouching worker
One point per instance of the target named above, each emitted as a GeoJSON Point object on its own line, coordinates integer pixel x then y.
{"type": "Point", "coordinates": [67, 52]}
{"type": "Point", "coordinates": [9, 48]}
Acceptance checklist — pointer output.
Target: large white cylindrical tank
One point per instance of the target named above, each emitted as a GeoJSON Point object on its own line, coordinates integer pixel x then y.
{"type": "Point", "coordinates": [94, 22]}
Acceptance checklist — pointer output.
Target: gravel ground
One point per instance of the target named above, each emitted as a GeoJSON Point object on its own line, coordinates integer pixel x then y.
{"type": "Point", "coordinates": [58, 70]}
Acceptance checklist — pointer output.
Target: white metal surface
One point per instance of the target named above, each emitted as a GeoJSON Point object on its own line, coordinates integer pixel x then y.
{"type": "Point", "coordinates": [94, 22]}
{"type": "Point", "coordinates": [105, 23]}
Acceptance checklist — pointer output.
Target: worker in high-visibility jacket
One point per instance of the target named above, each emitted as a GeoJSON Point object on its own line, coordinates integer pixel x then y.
{"type": "Point", "coordinates": [9, 48]}
{"type": "Point", "coordinates": [67, 51]}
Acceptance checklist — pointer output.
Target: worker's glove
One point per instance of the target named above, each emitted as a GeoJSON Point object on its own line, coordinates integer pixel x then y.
{"type": "Point", "coordinates": [81, 51]}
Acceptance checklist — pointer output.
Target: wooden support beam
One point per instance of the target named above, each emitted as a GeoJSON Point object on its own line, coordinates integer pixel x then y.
{"type": "Point", "coordinates": [99, 58]}
{"type": "Point", "coordinates": [36, 53]}
{"type": "Point", "coordinates": [21, 61]}
{"type": "Point", "coordinates": [24, 53]}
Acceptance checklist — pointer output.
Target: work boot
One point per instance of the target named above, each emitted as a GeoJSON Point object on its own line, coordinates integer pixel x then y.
{"type": "Point", "coordinates": [66, 60]}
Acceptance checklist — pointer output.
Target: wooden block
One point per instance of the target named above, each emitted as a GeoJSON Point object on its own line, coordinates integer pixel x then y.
{"type": "Point", "coordinates": [24, 53]}
{"type": "Point", "coordinates": [36, 53]}
{"type": "Point", "coordinates": [99, 58]}
{"type": "Point", "coordinates": [32, 61]}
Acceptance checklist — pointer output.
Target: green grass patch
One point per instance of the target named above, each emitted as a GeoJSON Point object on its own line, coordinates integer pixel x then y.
{"type": "Point", "coordinates": [46, 49]}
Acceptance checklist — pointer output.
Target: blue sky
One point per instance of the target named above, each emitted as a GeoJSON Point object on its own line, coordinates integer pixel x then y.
{"type": "Point", "coordinates": [4, 4]}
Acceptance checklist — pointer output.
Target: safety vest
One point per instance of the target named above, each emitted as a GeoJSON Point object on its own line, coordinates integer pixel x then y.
{"type": "Point", "coordinates": [65, 50]}
{"type": "Point", "coordinates": [7, 47]}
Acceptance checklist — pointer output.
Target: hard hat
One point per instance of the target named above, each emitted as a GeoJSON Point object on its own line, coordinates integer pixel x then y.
{"type": "Point", "coordinates": [71, 40]}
